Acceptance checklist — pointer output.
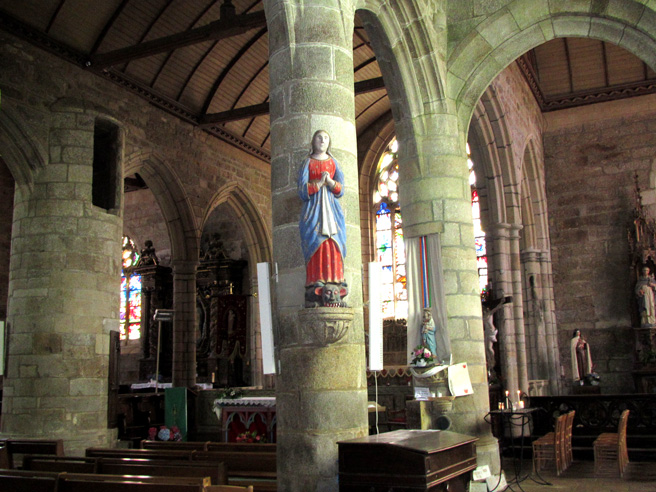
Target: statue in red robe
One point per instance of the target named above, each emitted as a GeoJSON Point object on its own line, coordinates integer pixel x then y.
{"type": "Point", "coordinates": [322, 225]}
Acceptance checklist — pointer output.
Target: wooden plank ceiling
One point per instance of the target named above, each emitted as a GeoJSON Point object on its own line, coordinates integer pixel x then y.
{"type": "Point", "coordinates": [206, 61]}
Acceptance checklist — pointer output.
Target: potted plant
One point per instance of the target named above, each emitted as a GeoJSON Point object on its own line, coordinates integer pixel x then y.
{"type": "Point", "coordinates": [422, 356]}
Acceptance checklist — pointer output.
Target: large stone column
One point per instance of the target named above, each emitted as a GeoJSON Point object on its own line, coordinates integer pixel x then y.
{"type": "Point", "coordinates": [184, 324]}
{"type": "Point", "coordinates": [63, 292]}
{"type": "Point", "coordinates": [436, 199]}
{"type": "Point", "coordinates": [321, 385]}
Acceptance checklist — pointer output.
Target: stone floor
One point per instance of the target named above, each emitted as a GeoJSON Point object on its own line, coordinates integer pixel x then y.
{"type": "Point", "coordinates": [580, 477]}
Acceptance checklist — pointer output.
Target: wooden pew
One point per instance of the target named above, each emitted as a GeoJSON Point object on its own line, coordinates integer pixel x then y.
{"type": "Point", "coordinates": [242, 447]}
{"type": "Point", "coordinates": [244, 468]}
{"type": "Point", "coordinates": [4, 457]}
{"type": "Point", "coordinates": [186, 445]}
{"type": "Point", "coordinates": [214, 471]}
{"type": "Point", "coordinates": [35, 481]}
{"type": "Point", "coordinates": [59, 464]}
{"type": "Point", "coordinates": [210, 446]}
{"type": "Point", "coordinates": [32, 446]}
{"type": "Point", "coordinates": [27, 481]}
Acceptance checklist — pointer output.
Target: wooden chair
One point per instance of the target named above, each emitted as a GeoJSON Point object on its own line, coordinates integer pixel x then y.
{"type": "Point", "coordinates": [610, 451]}
{"type": "Point", "coordinates": [550, 447]}
{"type": "Point", "coordinates": [228, 488]}
{"type": "Point", "coordinates": [567, 440]}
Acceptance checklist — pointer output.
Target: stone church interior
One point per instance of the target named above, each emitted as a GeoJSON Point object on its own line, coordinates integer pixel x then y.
{"type": "Point", "coordinates": [493, 194]}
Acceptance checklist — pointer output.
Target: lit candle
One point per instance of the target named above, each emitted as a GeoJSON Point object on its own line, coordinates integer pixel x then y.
{"type": "Point", "coordinates": [507, 393]}
{"type": "Point", "coordinates": [501, 406]}
{"type": "Point", "coordinates": [521, 404]}
{"type": "Point", "coordinates": [519, 395]}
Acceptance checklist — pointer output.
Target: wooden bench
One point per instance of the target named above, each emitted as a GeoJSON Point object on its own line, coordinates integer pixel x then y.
{"type": "Point", "coordinates": [35, 481]}
{"type": "Point", "coordinates": [26, 481]}
{"type": "Point", "coordinates": [31, 446]}
{"type": "Point", "coordinates": [214, 471]}
{"type": "Point", "coordinates": [210, 446]}
{"type": "Point", "coordinates": [243, 467]}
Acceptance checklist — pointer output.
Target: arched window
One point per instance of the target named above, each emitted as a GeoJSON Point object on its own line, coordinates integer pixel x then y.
{"type": "Point", "coordinates": [479, 233]}
{"type": "Point", "coordinates": [390, 250]}
{"type": "Point", "coordinates": [130, 311]}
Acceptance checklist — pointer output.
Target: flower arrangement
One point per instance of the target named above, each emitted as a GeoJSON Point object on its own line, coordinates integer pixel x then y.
{"type": "Point", "coordinates": [422, 355]}
{"type": "Point", "coordinates": [251, 436]}
{"type": "Point", "coordinates": [165, 434]}
{"type": "Point", "coordinates": [230, 394]}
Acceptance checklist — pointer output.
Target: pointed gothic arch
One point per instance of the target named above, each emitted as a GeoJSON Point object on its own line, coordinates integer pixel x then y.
{"type": "Point", "coordinates": [169, 194]}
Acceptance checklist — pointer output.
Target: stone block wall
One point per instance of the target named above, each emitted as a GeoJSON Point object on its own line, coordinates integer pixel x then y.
{"type": "Point", "coordinates": [591, 158]}
{"type": "Point", "coordinates": [7, 205]}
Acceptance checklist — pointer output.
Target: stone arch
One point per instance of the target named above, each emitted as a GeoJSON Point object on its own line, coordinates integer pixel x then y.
{"type": "Point", "coordinates": [259, 244]}
{"type": "Point", "coordinates": [412, 67]}
{"type": "Point", "coordinates": [22, 150]}
{"type": "Point", "coordinates": [375, 143]}
{"type": "Point", "coordinates": [259, 249]}
{"type": "Point", "coordinates": [534, 195]}
{"type": "Point", "coordinates": [522, 25]}
{"type": "Point", "coordinates": [172, 200]}
{"type": "Point", "coordinates": [489, 149]}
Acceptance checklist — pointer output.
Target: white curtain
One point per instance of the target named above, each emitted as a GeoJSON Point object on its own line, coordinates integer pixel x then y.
{"type": "Point", "coordinates": [415, 296]}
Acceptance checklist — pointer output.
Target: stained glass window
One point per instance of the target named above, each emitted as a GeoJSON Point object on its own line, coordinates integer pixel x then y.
{"type": "Point", "coordinates": [390, 250]}
{"type": "Point", "coordinates": [479, 233]}
{"type": "Point", "coordinates": [130, 310]}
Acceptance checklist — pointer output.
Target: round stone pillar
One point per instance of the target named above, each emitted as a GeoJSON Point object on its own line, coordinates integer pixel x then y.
{"type": "Point", "coordinates": [436, 199]}
{"type": "Point", "coordinates": [321, 388]}
{"type": "Point", "coordinates": [184, 324]}
{"type": "Point", "coordinates": [63, 290]}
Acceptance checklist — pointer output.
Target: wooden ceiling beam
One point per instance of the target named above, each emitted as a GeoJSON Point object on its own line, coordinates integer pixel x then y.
{"type": "Point", "coordinates": [219, 29]}
{"type": "Point", "coordinates": [361, 87]}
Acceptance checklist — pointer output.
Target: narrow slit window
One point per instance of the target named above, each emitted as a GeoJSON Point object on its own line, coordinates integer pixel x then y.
{"type": "Point", "coordinates": [106, 143]}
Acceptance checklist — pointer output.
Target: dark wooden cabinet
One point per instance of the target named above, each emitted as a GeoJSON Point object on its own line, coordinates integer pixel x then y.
{"type": "Point", "coordinates": [407, 460]}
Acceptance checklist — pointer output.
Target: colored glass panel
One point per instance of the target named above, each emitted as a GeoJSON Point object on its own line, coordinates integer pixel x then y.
{"type": "Point", "coordinates": [387, 275]}
{"type": "Point", "coordinates": [480, 245]}
{"type": "Point", "coordinates": [383, 222]}
{"type": "Point", "coordinates": [388, 309]}
{"type": "Point", "coordinates": [130, 294]}
{"type": "Point", "coordinates": [135, 331]}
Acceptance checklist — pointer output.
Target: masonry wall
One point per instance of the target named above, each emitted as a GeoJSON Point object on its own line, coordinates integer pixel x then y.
{"type": "Point", "coordinates": [7, 205]}
{"type": "Point", "coordinates": [592, 154]}
{"type": "Point", "coordinates": [190, 165]}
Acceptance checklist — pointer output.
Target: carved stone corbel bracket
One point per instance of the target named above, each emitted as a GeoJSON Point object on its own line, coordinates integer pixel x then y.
{"type": "Point", "coordinates": [325, 325]}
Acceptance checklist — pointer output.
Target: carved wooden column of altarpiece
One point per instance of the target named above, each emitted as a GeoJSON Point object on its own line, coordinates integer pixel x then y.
{"type": "Point", "coordinates": [156, 293]}
{"type": "Point", "coordinates": [221, 307]}
{"type": "Point", "coordinates": [642, 247]}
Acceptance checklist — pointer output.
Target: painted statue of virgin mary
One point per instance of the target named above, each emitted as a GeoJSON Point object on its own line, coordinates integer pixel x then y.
{"type": "Point", "coordinates": [322, 225]}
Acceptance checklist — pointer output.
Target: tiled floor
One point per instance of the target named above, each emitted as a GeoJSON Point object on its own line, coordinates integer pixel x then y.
{"type": "Point", "coordinates": [639, 477]}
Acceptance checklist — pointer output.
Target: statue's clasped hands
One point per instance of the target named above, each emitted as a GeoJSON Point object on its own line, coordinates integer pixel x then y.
{"type": "Point", "coordinates": [326, 180]}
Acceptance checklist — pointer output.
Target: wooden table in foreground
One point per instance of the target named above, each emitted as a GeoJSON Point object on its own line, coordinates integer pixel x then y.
{"type": "Point", "coordinates": [407, 460]}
